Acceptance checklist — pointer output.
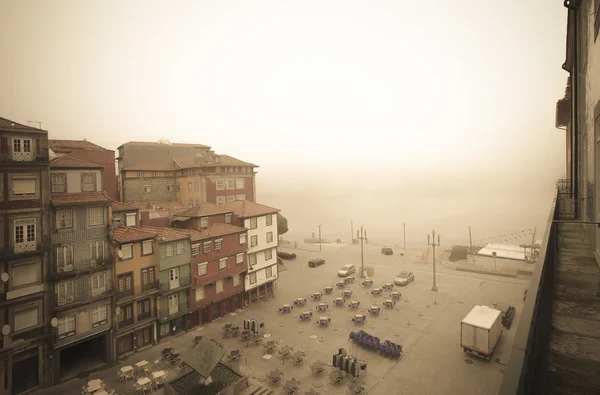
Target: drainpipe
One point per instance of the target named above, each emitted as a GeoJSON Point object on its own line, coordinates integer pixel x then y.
{"type": "Point", "coordinates": [571, 6]}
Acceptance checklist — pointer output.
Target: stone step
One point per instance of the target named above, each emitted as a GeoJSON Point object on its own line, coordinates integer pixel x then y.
{"type": "Point", "coordinates": [576, 293]}
{"type": "Point", "coordinates": [589, 311]}
{"type": "Point", "coordinates": [575, 347]}
{"type": "Point", "coordinates": [569, 381]}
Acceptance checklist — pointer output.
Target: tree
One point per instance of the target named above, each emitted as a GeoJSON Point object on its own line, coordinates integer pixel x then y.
{"type": "Point", "coordinates": [282, 224]}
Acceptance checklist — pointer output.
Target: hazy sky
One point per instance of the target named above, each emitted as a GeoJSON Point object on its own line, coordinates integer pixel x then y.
{"type": "Point", "coordinates": [348, 89]}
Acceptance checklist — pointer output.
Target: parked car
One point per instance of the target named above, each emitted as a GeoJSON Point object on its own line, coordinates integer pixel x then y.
{"type": "Point", "coordinates": [346, 270]}
{"type": "Point", "coordinates": [404, 277]}
{"type": "Point", "coordinates": [286, 255]}
{"type": "Point", "coordinates": [387, 251]}
{"type": "Point", "coordinates": [316, 262]}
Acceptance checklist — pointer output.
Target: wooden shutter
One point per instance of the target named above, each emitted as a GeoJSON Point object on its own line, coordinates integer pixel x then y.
{"type": "Point", "coordinates": [3, 145]}
{"type": "Point", "coordinates": [37, 147]}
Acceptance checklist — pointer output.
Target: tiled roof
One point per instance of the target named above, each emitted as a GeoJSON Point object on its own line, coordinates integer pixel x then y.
{"type": "Point", "coordinates": [247, 209]}
{"type": "Point", "coordinates": [149, 167]}
{"type": "Point", "coordinates": [224, 160]}
{"type": "Point", "coordinates": [67, 162]}
{"type": "Point", "coordinates": [215, 230]}
{"type": "Point", "coordinates": [203, 210]}
{"type": "Point", "coordinates": [157, 144]}
{"type": "Point", "coordinates": [68, 145]}
{"type": "Point", "coordinates": [126, 234]}
{"type": "Point", "coordinates": [166, 234]}
{"type": "Point", "coordinates": [8, 125]}
{"type": "Point", "coordinates": [118, 207]}
{"type": "Point", "coordinates": [68, 199]}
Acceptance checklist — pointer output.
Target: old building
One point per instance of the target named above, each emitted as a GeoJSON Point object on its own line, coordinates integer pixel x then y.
{"type": "Point", "coordinates": [174, 278]}
{"type": "Point", "coordinates": [261, 222]}
{"type": "Point", "coordinates": [81, 268]}
{"type": "Point", "coordinates": [125, 214]}
{"type": "Point", "coordinates": [90, 152]}
{"type": "Point", "coordinates": [188, 174]}
{"type": "Point", "coordinates": [136, 274]}
{"type": "Point", "coordinates": [24, 246]}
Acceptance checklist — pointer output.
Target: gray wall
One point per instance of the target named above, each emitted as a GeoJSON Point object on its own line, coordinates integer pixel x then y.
{"type": "Point", "coordinates": [166, 262]}
{"type": "Point", "coordinates": [133, 190]}
{"type": "Point", "coordinates": [158, 154]}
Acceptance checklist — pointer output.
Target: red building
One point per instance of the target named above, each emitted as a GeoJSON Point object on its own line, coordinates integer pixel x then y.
{"type": "Point", "coordinates": [90, 152]}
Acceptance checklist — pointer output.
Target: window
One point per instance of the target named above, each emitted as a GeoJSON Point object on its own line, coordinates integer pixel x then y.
{"type": "Point", "coordinates": [199, 293]}
{"type": "Point", "coordinates": [64, 258]}
{"type": "Point", "coordinates": [269, 219]}
{"type": "Point", "coordinates": [240, 197]}
{"type": "Point", "coordinates": [24, 274]}
{"type": "Point", "coordinates": [25, 319]}
{"type": "Point", "coordinates": [140, 174]}
{"type": "Point", "coordinates": [253, 224]}
{"type": "Point", "coordinates": [22, 145]}
{"type": "Point", "coordinates": [177, 187]}
{"type": "Point", "coordinates": [24, 230]}
{"type": "Point", "coordinates": [220, 199]}
{"type": "Point", "coordinates": [169, 250]}
{"type": "Point", "coordinates": [204, 222]}
{"type": "Point", "coordinates": [64, 219]}
{"type": "Point", "coordinates": [252, 278]}
{"type": "Point", "coordinates": [95, 216]}
{"type": "Point", "coordinates": [252, 259]}
{"type": "Point", "coordinates": [147, 247]}
{"type": "Point", "coordinates": [99, 315]}
{"type": "Point", "coordinates": [179, 247]}
{"type": "Point", "coordinates": [126, 251]}
{"type": "Point", "coordinates": [98, 283]}
{"type": "Point", "coordinates": [88, 182]}
{"type": "Point", "coordinates": [148, 276]}
{"type": "Point", "coordinates": [196, 187]}
{"type": "Point", "coordinates": [222, 263]}
{"type": "Point", "coordinates": [218, 169]}
{"type": "Point", "coordinates": [97, 250]}
{"type": "Point", "coordinates": [206, 247]}
{"type": "Point", "coordinates": [239, 258]}
{"type": "Point", "coordinates": [196, 249]}
{"type": "Point", "coordinates": [190, 187]}
{"type": "Point", "coordinates": [218, 244]}
{"type": "Point", "coordinates": [169, 188]}
{"type": "Point", "coordinates": [240, 183]}
{"type": "Point", "coordinates": [269, 272]}
{"type": "Point", "coordinates": [174, 278]}
{"type": "Point", "coordinates": [23, 186]}
{"type": "Point", "coordinates": [219, 285]}
{"type": "Point", "coordinates": [125, 283]}
{"type": "Point", "coordinates": [230, 198]}
{"type": "Point", "coordinates": [65, 292]}
{"type": "Point", "coordinates": [230, 184]}
{"type": "Point", "coordinates": [59, 183]}
{"type": "Point", "coordinates": [130, 219]}
{"type": "Point", "coordinates": [269, 237]}
{"type": "Point", "coordinates": [227, 218]}
{"type": "Point", "coordinates": [202, 269]}
{"type": "Point", "coordinates": [126, 314]}
{"type": "Point", "coordinates": [236, 280]}
{"type": "Point", "coordinates": [231, 169]}
{"type": "Point", "coordinates": [147, 188]}
{"type": "Point", "coordinates": [66, 326]}
{"type": "Point", "coordinates": [268, 254]}
{"type": "Point", "coordinates": [242, 238]}
{"type": "Point", "coordinates": [154, 174]}
{"type": "Point", "coordinates": [166, 173]}
{"type": "Point", "coordinates": [173, 304]}
{"type": "Point", "coordinates": [143, 308]}
{"type": "Point", "coordinates": [220, 185]}
{"type": "Point", "coordinates": [253, 241]}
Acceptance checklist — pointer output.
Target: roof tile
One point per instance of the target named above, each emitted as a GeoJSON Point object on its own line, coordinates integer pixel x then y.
{"type": "Point", "coordinates": [224, 160]}
{"type": "Point", "coordinates": [118, 207]}
{"type": "Point", "coordinates": [203, 210]}
{"type": "Point", "coordinates": [157, 144]}
{"type": "Point", "coordinates": [166, 234]}
{"type": "Point", "coordinates": [79, 198]}
{"type": "Point", "coordinates": [68, 145]}
{"type": "Point", "coordinates": [67, 162]}
{"type": "Point", "coordinates": [126, 234]}
{"type": "Point", "coordinates": [8, 125]}
{"type": "Point", "coordinates": [248, 209]}
{"type": "Point", "coordinates": [215, 230]}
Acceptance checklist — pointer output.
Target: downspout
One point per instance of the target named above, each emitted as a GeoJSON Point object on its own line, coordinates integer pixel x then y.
{"type": "Point", "coordinates": [570, 5]}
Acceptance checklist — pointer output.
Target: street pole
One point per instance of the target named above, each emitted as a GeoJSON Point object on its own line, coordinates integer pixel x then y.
{"type": "Point", "coordinates": [404, 226]}
{"type": "Point", "coordinates": [470, 241]}
{"type": "Point", "coordinates": [431, 242]}
{"type": "Point", "coordinates": [362, 236]}
{"type": "Point", "coordinates": [320, 237]}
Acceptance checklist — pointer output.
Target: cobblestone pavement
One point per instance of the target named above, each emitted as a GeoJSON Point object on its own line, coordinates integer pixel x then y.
{"type": "Point", "coordinates": [426, 323]}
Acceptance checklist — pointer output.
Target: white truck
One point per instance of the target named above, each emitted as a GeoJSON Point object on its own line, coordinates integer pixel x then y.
{"type": "Point", "coordinates": [480, 331]}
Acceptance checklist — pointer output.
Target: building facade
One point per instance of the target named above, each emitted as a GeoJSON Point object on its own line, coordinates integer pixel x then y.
{"type": "Point", "coordinates": [90, 152]}
{"type": "Point", "coordinates": [262, 239]}
{"type": "Point", "coordinates": [81, 269]}
{"type": "Point", "coordinates": [24, 248]}
{"type": "Point", "coordinates": [125, 215]}
{"type": "Point", "coordinates": [136, 277]}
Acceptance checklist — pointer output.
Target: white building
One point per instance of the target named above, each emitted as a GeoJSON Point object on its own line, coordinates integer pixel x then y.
{"type": "Point", "coordinates": [262, 239]}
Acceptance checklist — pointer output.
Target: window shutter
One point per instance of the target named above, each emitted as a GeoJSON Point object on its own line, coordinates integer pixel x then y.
{"type": "Point", "coordinates": [3, 145]}
{"type": "Point", "coordinates": [37, 147]}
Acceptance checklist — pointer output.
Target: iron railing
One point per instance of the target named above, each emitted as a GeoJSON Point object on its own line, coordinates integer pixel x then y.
{"type": "Point", "coordinates": [528, 358]}
{"type": "Point", "coordinates": [168, 286]}
{"type": "Point", "coordinates": [566, 202]}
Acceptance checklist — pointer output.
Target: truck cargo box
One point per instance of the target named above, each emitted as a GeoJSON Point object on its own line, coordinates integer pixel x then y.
{"type": "Point", "coordinates": [480, 331]}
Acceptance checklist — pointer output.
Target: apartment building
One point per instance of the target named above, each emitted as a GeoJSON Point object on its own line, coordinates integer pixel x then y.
{"type": "Point", "coordinates": [93, 153]}
{"type": "Point", "coordinates": [81, 270]}
{"type": "Point", "coordinates": [261, 222]}
{"type": "Point", "coordinates": [125, 214]}
{"type": "Point", "coordinates": [136, 276]}
{"type": "Point", "coordinates": [174, 280]}
{"type": "Point", "coordinates": [24, 247]}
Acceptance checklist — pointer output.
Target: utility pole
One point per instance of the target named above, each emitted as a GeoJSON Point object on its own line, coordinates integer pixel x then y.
{"type": "Point", "coordinates": [404, 226]}
{"type": "Point", "coordinates": [351, 232]}
{"type": "Point", "coordinates": [362, 236]}
{"type": "Point", "coordinates": [470, 241]}
{"type": "Point", "coordinates": [320, 249]}
{"type": "Point", "coordinates": [431, 242]}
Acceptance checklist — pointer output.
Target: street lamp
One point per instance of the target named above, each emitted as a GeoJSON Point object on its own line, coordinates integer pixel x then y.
{"type": "Point", "coordinates": [431, 242]}
{"type": "Point", "coordinates": [320, 237]}
{"type": "Point", "coordinates": [361, 235]}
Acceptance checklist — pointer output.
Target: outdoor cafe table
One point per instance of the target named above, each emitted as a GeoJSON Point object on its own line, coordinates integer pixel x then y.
{"type": "Point", "coordinates": [94, 385]}
{"type": "Point", "coordinates": [101, 392]}
{"type": "Point", "coordinates": [158, 374]}
{"type": "Point", "coordinates": [143, 381]}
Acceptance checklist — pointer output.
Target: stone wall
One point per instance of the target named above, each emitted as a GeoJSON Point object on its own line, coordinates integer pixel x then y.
{"type": "Point", "coordinates": [133, 190]}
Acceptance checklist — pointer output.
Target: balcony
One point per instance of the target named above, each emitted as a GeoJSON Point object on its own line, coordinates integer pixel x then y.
{"type": "Point", "coordinates": [83, 266]}
{"type": "Point", "coordinates": [556, 349]}
{"type": "Point", "coordinates": [83, 293]}
{"type": "Point", "coordinates": [137, 291]}
{"type": "Point", "coordinates": [169, 286]}
{"type": "Point", "coordinates": [172, 311]}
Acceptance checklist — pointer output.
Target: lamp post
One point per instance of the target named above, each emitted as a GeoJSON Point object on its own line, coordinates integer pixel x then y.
{"type": "Point", "coordinates": [431, 241]}
{"type": "Point", "coordinates": [320, 237]}
{"type": "Point", "coordinates": [361, 235]}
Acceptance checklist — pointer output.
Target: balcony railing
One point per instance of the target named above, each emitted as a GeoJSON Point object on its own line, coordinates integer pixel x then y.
{"type": "Point", "coordinates": [137, 291]}
{"type": "Point", "coordinates": [528, 361]}
{"type": "Point", "coordinates": [83, 292]}
{"type": "Point", "coordinates": [173, 285]}
{"type": "Point", "coordinates": [81, 266]}
{"type": "Point", "coordinates": [169, 311]}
